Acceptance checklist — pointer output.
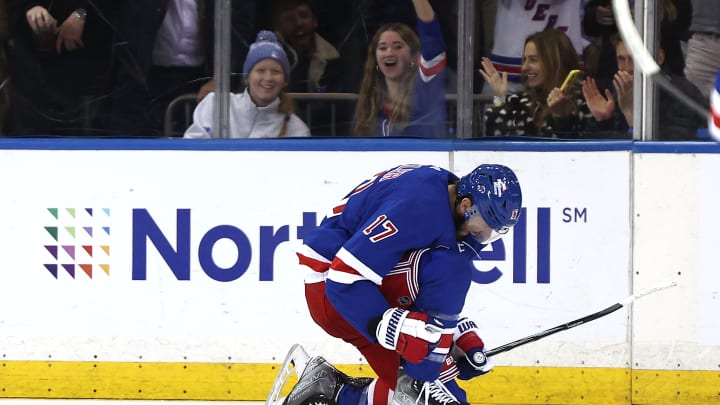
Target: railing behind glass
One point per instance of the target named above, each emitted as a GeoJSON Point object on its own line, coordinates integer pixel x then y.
{"type": "Point", "coordinates": [178, 115]}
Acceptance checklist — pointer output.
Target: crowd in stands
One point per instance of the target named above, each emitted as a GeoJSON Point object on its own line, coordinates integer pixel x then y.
{"type": "Point", "coordinates": [111, 68]}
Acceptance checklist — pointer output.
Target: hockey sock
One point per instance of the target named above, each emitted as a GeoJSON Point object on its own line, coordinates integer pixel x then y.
{"type": "Point", "coordinates": [353, 395]}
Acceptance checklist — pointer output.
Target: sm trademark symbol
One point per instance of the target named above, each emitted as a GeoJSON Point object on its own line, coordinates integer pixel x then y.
{"type": "Point", "coordinates": [575, 215]}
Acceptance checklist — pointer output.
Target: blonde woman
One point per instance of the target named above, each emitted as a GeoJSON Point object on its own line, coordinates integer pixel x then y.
{"type": "Point", "coordinates": [263, 110]}
{"type": "Point", "coordinates": [403, 88]}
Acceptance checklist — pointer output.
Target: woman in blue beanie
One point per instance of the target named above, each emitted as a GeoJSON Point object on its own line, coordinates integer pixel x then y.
{"type": "Point", "coordinates": [263, 110]}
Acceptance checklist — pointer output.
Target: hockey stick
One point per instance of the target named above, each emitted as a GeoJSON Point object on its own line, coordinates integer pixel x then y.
{"type": "Point", "coordinates": [641, 56]}
{"type": "Point", "coordinates": [578, 322]}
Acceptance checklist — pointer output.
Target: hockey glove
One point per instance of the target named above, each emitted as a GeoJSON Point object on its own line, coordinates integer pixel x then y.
{"type": "Point", "coordinates": [469, 351]}
{"type": "Point", "coordinates": [408, 333]}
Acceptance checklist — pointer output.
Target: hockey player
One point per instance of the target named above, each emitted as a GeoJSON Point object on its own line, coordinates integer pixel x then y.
{"type": "Point", "coordinates": [353, 254]}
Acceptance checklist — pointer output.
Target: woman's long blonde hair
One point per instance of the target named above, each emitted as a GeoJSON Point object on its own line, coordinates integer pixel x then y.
{"type": "Point", "coordinates": [373, 88]}
{"type": "Point", "coordinates": [287, 108]}
{"type": "Point", "coordinates": [558, 57]}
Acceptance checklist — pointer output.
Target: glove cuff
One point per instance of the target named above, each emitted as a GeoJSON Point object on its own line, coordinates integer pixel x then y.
{"type": "Point", "coordinates": [466, 335]}
{"type": "Point", "coordinates": [389, 328]}
{"type": "Point", "coordinates": [470, 341]}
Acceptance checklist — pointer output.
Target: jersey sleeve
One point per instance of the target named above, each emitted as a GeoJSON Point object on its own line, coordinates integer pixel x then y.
{"type": "Point", "coordinates": [433, 57]}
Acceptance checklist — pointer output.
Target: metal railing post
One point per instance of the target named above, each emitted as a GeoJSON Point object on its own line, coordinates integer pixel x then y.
{"type": "Point", "coordinates": [645, 90]}
{"type": "Point", "coordinates": [221, 121]}
{"type": "Point", "coordinates": [464, 124]}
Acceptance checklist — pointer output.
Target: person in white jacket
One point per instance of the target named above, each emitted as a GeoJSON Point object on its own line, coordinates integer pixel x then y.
{"type": "Point", "coordinates": [264, 109]}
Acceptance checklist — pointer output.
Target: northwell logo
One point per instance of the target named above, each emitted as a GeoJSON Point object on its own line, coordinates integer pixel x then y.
{"type": "Point", "coordinates": [78, 241]}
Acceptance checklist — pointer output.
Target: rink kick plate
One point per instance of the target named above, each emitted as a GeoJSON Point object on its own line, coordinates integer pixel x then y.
{"type": "Point", "coordinates": [252, 382]}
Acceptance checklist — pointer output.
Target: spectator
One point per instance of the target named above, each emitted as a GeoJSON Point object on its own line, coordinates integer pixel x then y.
{"type": "Point", "coordinates": [263, 110]}
{"type": "Point", "coordinates": [675, 18]}
{"type": "Point", "coordinates": [59, 55]}
{"type": "Point", "coordinates": [703, 51]}
{"type": "Point", "coordinates": [541, 108]}
{"type": "Point", "coordinates": [168, 50]}
{"type": "Point", "coordinates": [516, 20]}
{"type": "Point", "coordinates": [313, 59]}
{"type": "Point", "coordinates": [315, 64]}
{"type": "Point", "coordinates": [599, 22]}
{"type": "Point", "coordinates": [599, 57]}
{"type": "Point", "coordinates": [676, 121]}
{"type": "Point", "coordinates": [403, 88]}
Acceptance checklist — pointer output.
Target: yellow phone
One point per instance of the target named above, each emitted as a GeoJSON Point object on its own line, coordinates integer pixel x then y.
{"type": "Point", "coordinates": [570, 78]}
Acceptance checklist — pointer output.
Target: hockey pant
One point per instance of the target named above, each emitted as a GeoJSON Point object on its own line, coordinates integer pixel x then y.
{"type": "Point", "coordinates": [384, 362]}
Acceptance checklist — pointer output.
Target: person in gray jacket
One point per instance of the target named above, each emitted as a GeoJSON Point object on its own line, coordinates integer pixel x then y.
{"type": "Point", "coordinates": [264, 109]}
{"type": "Point", "coordinates": [703, 51]}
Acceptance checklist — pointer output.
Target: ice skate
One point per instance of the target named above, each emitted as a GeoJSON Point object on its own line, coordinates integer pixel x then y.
{"type": "Point", "coordinates": [410, 391]}
{"type": "Point", "coordinates": [319, 384]}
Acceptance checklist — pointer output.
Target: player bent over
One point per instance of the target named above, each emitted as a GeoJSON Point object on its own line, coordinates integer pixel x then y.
{"type": "Point", "coordinates": [403, 317]}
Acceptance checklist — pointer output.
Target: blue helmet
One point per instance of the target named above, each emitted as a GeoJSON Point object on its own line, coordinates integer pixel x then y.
{"type": "Point", "coordinates": [495, 193]}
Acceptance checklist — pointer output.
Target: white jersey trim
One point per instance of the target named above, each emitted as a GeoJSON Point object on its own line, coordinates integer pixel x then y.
{"type": "Point", "coordinates": [343, 277]}
{"type": "Point", "coordinates": [308, 252]}
{"type": "Point", "coordinates": [429, 65]}
{"type": "Point", "coordinates": [357, 265]}
{"type": "Point", "coordinates": [312, 277]}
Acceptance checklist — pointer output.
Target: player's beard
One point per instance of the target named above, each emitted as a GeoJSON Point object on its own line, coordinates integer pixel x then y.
{"type": "Point", "coordinates": [459, 222]}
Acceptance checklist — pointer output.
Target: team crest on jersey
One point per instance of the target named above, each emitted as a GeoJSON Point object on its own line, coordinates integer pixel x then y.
{"type": "Point", "coordinates": [515, 214]}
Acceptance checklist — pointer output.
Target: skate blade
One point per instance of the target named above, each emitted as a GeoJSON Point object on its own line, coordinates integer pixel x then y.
{"type": "Point", "coordinates": [295, 362]}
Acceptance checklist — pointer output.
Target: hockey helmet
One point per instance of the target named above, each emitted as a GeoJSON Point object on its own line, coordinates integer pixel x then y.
{"type": "Point", "coordinates": [496, 196]}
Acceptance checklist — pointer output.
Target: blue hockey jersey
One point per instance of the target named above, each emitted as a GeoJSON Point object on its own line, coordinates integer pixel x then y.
{"type": "Point", "coordinates": [372, 228]}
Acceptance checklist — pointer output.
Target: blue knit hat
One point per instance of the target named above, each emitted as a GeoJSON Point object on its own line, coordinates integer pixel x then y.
{"type": "Point", "coordinates": [266, 46]}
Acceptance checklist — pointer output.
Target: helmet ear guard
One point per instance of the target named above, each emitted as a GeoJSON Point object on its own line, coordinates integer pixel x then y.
{"type": "Point", "coordinates": [495, 194]}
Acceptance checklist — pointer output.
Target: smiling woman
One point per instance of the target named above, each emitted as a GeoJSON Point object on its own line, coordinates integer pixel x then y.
{"type": "Point", "coordinates": [263, 110]}
{"type": "Point", "coordinates": [403, 87]}
{"type": "Point", "coordinates": [541, 108]}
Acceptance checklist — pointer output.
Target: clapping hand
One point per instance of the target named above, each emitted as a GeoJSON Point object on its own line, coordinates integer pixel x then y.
{"type": "Point", "coordinates": [40, 20]}
{"type": "Point", "coordinates": [498, 82]}
{"type": "Point", "coordinates": [623, 82]}
{"type": "Point", "coordinates": [69, 34]}
{"type": "Point", "coordinates": [600, 106]}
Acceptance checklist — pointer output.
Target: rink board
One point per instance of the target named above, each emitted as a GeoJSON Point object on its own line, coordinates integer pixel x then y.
{"type": "Point", "coordinates": [251, 382]}
{"type": "Point", "coordinates": [171, 273]}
